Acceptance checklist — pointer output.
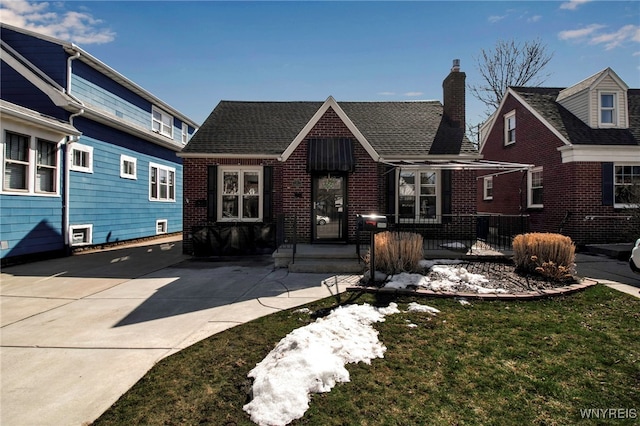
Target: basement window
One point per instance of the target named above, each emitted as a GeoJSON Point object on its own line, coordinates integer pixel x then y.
{"type": "Point", "coordinates": [80, 235]}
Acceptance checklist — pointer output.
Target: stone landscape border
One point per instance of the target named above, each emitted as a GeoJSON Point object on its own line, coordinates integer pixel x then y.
{"type": "Point", "coordinates": [529, 295]}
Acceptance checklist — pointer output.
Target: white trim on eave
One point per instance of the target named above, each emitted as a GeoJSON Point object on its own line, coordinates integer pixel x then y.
{"type": "Point", "coordinates": [532, 110]}
{"type": "Point", "coordinates": [57, 96]}
{"type": "Point", "coordinates": [227, 155]}
{"type": "Point", "coordinates": [598, 153]}
{"type": "Point", "coordinates": [329, 103]}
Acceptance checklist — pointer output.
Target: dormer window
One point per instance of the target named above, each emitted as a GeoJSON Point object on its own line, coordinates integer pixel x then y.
{"type": "Point", "coordinates": [608, 116]}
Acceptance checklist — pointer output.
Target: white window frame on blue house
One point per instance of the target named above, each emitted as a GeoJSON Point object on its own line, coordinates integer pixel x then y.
{"type": "Point", "coordinates": [79, 151]}
{"type": "Point", "coordinates": [156, 185]}
{"type": "Point", "coordinates": [161, 122]}
{"type": "Point", "coordinates": [162, 226]}
{"type": "Point", "coordinates": [185, 133]}
{"type": "Point", "coordinates": [32, 164]}
{"type": "Point", "coordinates": [85, 230]}
{"type": "Point", "coordinates": [128, 167]}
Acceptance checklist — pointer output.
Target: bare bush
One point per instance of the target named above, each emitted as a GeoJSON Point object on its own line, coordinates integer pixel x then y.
{"type": "Point", "coordinates": [550, 255]}
{"type": "Point", "coordinates": [397, 252]}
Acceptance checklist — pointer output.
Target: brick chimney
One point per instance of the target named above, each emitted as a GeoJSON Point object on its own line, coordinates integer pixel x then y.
{"type": "Point", "coordinates": [453, 96]}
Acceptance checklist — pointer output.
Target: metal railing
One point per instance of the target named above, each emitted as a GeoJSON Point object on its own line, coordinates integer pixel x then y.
{"type": "Point", "coordinates": [286, 233]}
{"type": "Point", "coordinates": [457, 232]}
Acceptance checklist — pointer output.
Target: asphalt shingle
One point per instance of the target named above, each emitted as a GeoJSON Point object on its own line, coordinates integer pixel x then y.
{"type": "Point", "coordinates": [267, 128]}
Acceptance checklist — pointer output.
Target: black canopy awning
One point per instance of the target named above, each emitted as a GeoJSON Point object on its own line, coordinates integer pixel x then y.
{"type": "Point", "coordinates": [331, 155]}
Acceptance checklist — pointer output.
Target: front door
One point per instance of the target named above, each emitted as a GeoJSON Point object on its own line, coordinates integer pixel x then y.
{"type": "Point", "coordinates": [328, 210]}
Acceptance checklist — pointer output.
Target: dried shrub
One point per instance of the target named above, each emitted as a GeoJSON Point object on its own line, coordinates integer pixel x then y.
{"type": "Point", "coordinates": [546, 254]}
{"type": "Point", "coordinates": [397, 252]}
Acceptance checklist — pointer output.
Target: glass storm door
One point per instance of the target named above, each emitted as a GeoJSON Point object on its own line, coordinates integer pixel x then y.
{"type": "Point", "coordinates": [328, 215]}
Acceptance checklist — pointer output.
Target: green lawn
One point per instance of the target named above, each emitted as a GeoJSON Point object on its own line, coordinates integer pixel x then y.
{"type": "Point", "coordinates": [492, 363]}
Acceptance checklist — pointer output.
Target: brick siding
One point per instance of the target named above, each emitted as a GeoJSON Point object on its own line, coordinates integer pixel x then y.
{"type": "Point", "coordinates": [571, 191]}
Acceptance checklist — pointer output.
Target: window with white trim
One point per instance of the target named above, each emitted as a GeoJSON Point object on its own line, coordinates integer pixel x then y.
{"type": "Point", "coordinates": [128, 166]}
{"type": "Point", "coordinates": [80, 235]}
{"type": "Point", "coordinates": [162, 226]}
{"type": "Point", "coordinates": [240, 195]}
{"type": "Point", "coordinates": [162, 183]}
{"type": "Point", "coordinates": [161, 122]}
{"type": "Point", "coordinates": [418, 194]}
{"type": "Point", "coordinates": [81, 158]}
{"type": "Point", "coordinates": [16, 162]}
{"type": "Point", "coordinates": [608, 116]}
{"type": "Point", "coordinates": [510, 128]}
{"type": "Point", "coordinates": [535, 187]}
{"type": "Point", "coordinates": [487, 188]}
{"type": "Point", "coordinates": [626, 185]}
{"type": "Point", "coordinates": [185, 133]}
{"type": "Point", "coordinates": [30, 164]}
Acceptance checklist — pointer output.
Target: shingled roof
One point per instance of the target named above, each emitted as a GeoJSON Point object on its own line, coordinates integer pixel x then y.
{"type": "Point", "coordinates": [267, 128]}
{"type": "Point", "coordinates": [543, 101]}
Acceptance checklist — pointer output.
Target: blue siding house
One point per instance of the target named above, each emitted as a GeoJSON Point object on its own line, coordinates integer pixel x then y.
{"type": "Point", "coordinates": [88, 157]}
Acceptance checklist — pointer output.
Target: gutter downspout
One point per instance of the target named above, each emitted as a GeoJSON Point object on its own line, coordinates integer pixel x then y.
{"type": "Point", "coordinates": [67, 162]}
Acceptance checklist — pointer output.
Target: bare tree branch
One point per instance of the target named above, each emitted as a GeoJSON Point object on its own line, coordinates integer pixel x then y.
{"type": "Point", "coordinates": [509, 64]}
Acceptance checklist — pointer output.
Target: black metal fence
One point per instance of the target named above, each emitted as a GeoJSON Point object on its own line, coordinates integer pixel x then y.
{"type": "Point", "coordinates": [466, 233]}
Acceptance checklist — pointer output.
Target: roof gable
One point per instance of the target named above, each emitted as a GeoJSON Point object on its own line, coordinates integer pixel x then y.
{"type": "Point", "coordinates": [591, 83]}
{"type": "Point", "coordinates": [330, 103]}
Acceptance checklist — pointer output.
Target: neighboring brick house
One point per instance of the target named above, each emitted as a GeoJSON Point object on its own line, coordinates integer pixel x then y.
{"type": "Point", "coordinates": [255, 166]}
{"type": "Point", "coordinates": [88, 156]}
{"type": "Point", "coordinates": [584, 145]}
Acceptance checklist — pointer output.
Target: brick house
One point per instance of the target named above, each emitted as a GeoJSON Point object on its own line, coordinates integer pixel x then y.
{"type": "Point", "coordinates": [583, 143]}
{"type": "Point", "coordinates": [255, 170]}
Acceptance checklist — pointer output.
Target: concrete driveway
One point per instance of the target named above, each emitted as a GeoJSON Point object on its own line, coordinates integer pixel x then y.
{"type": "Point", "coordinates": [78, 332]}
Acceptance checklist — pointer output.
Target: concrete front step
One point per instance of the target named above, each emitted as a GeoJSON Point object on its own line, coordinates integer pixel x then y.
{"type": "Point", "coordinates": [321, 266]}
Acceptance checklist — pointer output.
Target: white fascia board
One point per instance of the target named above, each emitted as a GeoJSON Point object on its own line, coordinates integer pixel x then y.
{"type": "Point", "coordinates": [599, 153]}
{"type": "Point", "coordinates": [57, 96]}
{"type": "Point", "coordinates": [330, 103]}
{"type": "Point", "coordinates": [105, 69]}
{"type": "Point", "coordinates": [460, 157]}
{"type": "Point", "coordinates": [493, 119]}
{"type": "Point", "coordinates": [540, 118]}
{"type": "Point", "coordinates": [117, 123]}
{"type": "Point", "coordinates": [611, 73]}
{"type": "Point", "coordinates": [227, 155]}
{"type": "Point", "coordinates": [10, 111]}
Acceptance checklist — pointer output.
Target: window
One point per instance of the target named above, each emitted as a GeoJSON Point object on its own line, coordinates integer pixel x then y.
{"type": "Point", "coordinates": [80, 235]}
{"type": "Point", "coordinates": [608, 109]}
{"type": "Point", "coordinates": [241, 193]}
{"type": "Point", "coordinates": [162, 183]}
{"type": "Point", "coordinates": [488, 188]}
{"type": "Point", "coordinates": [162, 123]}
{"type": "Point", "coordinates": [185, 133]}
{"type": "Point", "coordinates": [81, 158]}
{"type": "Point", "coordinates": [128, 167]}
{"type": "Point", "coordinates": [510, 128]}
{"type": "Point", "coordinates": [46, 166]}
{"type": "Point", "coordinates": [161, 226]}
{"type": "Point", "coordinates": [16, 163]}
{"type": "Point", "coordinates": [535, 187]}
{"type": "Point", "coordinates": [626, 185]}
{"type": "Point", "coordinates": [30, 164]}
{"type": "Point", "coordinates": [418, 195]}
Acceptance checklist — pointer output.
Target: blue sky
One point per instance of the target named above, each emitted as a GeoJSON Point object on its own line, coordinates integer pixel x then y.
{"type": "Point", "coordinates": [192, 54]}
